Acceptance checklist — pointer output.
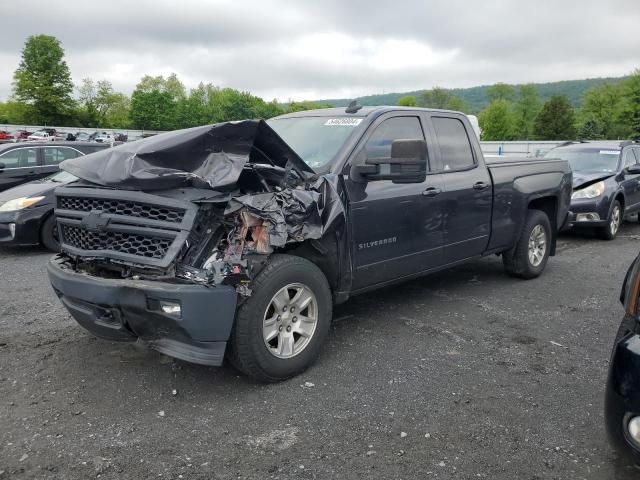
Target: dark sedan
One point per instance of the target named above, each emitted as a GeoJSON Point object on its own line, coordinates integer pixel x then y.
{"type": "Point", "coordinates": [606, 184]}
{"type": "Point", "coordinates": [622, 398]}
{"type": "Point", "coordinates": [24, 162]}
{"type": "Point", "coordinates": [26, 211]}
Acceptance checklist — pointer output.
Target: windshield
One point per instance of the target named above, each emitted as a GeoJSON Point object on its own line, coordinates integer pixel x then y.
{"type": "Point", "coordinates": [315, 139]}
{"type": "Point", "coordinates": [588, 161]}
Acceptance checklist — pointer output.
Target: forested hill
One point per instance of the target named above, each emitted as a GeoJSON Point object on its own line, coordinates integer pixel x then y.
{"type": "Point", "coordinates": [475, 98]}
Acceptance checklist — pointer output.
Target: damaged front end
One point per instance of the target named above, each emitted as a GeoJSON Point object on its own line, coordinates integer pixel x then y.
{"type": "Point", "coordinates": [163, 255]}
{"type": "Point", "coordinates": [216, 201]}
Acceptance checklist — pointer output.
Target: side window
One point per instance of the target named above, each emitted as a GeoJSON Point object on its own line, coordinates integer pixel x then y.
{"type": "Point", "coordinates": [20, 158]}
{"type": "Point", "coordinates": [395, 128]}
{"type": "Point", "coordinates": [55, 155]}
{"type": "Point", "coordinates": [629, 158]}
{"type": "Point", "coordinates": [455, 148]}
{"type": "Point", "coordinates": [636, 150]}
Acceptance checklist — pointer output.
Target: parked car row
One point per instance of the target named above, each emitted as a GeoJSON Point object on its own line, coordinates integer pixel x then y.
{"type": "Point", "coordinates": [52, 135]}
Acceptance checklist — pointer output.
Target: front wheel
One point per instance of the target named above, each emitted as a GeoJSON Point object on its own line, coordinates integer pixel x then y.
{"type": "Point", "coordinates": [610, 231]}
{"type": "Point", "coordinates": [281, 327]}
{"type": "Point", "coordinates": [49, 234]}
{"type": "Point", "coordinates": [529, 256]}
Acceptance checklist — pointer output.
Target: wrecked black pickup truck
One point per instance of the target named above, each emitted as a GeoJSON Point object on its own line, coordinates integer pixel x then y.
{"type": "Point", "coordinates": [237, 239]}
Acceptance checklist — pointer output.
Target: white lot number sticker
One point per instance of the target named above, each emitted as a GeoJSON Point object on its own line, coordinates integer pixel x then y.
{"type": "Point", "coordinates": [343, 122]}
{"type": "Point", "coordinates": [609, 152]}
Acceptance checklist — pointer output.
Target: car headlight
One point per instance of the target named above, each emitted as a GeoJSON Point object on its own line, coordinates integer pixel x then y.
{"type": "Point", "coordinates": [19, 203]}
{"type": "Point", "coordinates": [592, 191]}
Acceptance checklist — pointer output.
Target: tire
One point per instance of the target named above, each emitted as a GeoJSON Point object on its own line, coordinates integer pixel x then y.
{"type": "Point", "coordinates": [249, 350]}
{"type": "Point", "coordinates": [614, 221]}
{"type": "Point", "coordinates": [517, 261]}
{"type": "Point", "coordinates": [49, 234]}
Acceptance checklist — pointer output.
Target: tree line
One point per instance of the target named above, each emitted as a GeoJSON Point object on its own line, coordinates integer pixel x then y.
{"type": "Point", "coordinates": [43, 93]}
{"type": "Point", "coordinates": [609, 111]}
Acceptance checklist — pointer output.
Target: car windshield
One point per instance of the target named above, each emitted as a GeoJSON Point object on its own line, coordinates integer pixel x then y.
{"type": "Point", "coordinates": [315, 139]}
{"type": "Point", "coordinates": [588, 160]}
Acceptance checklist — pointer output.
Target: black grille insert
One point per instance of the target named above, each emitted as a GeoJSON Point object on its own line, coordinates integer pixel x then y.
{"type": "Point", "coordinates": [132, 244]}
{"type": "Point", "coordinates": [123, 225]}
{"type": "Point", "coordinates": [122, 207]}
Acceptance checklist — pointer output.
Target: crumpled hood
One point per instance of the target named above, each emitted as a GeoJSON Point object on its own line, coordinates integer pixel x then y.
{"type": "Point", "coordinates": [582, 179]}
{"type": "Point", "coordinates": [211, 156]}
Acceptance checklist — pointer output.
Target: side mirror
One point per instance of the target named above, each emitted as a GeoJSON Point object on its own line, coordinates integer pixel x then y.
{"type": "Point", "coordinates": [633, 169]}
{"type": "Point", "coordinates": [407, 164]}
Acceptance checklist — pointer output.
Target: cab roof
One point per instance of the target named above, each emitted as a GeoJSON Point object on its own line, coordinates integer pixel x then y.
{"type": "Point", "coordinates": [361, 113]}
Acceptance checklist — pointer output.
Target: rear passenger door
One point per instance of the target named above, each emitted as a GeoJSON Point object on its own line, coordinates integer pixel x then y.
{"type": "Point", "coordinates": [467, 197]}
{"type": "Point", "coordinates": [53, 156]}
{"type": "Point", "coordinates": [17, 166]}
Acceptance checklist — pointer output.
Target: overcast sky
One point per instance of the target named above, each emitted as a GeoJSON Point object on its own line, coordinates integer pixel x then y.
{"type": "Point", "coordinates": [330, 48]}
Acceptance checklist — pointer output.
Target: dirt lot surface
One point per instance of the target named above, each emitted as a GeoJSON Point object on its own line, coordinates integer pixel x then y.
{"type": "Point", "coordinates": [464, 374]}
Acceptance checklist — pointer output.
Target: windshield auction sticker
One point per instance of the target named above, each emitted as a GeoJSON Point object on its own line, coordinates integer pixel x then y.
{"type": "Point", "coordinates": [343, 122]}
{"type": "Point", "coordinates": [609, 152]}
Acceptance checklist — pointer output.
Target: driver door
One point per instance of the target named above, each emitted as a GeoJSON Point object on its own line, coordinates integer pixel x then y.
{"type": "Point", "coordinates": [395, 227]}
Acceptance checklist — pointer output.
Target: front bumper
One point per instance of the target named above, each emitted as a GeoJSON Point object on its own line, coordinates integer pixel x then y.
{"type": "Point", "coordinates": [622, 397]}
{"type": "Point", "coordinates": [22, 227]}
{"type": "Point", "coordinates": [589, 212]}
{"type": "Point", "coordinates": [128, 310]}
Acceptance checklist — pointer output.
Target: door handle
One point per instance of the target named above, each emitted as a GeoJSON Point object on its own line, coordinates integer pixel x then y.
{"type": "Point", "coordinates": [480, 186]}
{"type": "Point", "coordinates": [431, 192]}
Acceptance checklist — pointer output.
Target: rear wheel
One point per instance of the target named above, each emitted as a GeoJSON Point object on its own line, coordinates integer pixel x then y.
{"type": "Point", "coordinates": [280, 328]}
{"type": "Point", "coordinates": [529, 256]}
{"type": "Point", "coordinates": [610, 231]}
{"type": "Point", "coordinates": [49, 234]}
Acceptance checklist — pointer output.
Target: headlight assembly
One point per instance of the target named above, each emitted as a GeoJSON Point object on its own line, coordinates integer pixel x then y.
{"type": "Point", "coordinates": [592, 191]}
{"type": "Point", "coordinates": [19, 203]}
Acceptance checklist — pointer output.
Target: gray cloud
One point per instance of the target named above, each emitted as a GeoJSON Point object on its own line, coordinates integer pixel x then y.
{"type": "Point", "coordinates": [310, 49]}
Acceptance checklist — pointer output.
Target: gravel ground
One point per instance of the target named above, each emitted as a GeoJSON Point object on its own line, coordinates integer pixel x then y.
{"type": "Point", "coordinates": [463, 374]}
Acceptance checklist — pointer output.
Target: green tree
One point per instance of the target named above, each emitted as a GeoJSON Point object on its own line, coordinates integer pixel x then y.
{"type": "Point", "coordinates": [437, 97]}
{"type": "Point", "coordinates": [630, 109]}
{"type": "Point", "coordinates": [118, 114]}
{"type": "Point", "coordinates": [97, 99]}
{"type": "Point", "coordinates": [457, 104]}
{"type": "Point", "coordinates": [15, 112]}
{"type": "Point", "coordinates": [526, 109]}
{"type": "Point", "coordinates": [500, 91]}
{"type": "Point", "coordinates": [442, 98]}
{"type": "Point", "coordinates": [42, 80]}
{"type": "Point", "coordinates": [301, 106]}
{"type": "Point", "coordinates": [154, 103]}
{"type": "Point", "coordinates": [407, 101]}
{"type": "Point", "coordinates": [496, 121]}
{"type": "Point", "coordinates": [599, 116]}
{"type": "Point", "coordinates": [556, 120]}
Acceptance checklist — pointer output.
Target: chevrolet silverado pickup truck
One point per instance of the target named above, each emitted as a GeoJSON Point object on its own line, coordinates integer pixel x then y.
{"type": "Point", "coordinates": [235, 240]}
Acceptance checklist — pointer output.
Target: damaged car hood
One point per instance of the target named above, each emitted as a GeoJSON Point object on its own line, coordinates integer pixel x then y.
{"type": "Point", "coordinates": [211, 156]}
{"type": "Point", "coordinates": [583, 179]}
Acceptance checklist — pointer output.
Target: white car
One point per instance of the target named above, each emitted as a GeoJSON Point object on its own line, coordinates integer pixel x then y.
{"type": "Point", "coordinates": [41, 136]}
{"type": "Point", "coordinates": [105, 137]}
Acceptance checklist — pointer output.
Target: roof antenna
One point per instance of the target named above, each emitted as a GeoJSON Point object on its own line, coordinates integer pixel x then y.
{"type": "Point", "coordinates": [353, 107]}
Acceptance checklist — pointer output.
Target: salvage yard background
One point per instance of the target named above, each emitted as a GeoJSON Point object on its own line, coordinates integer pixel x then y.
{"type": "Point", "coordinates": [463, 374]}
